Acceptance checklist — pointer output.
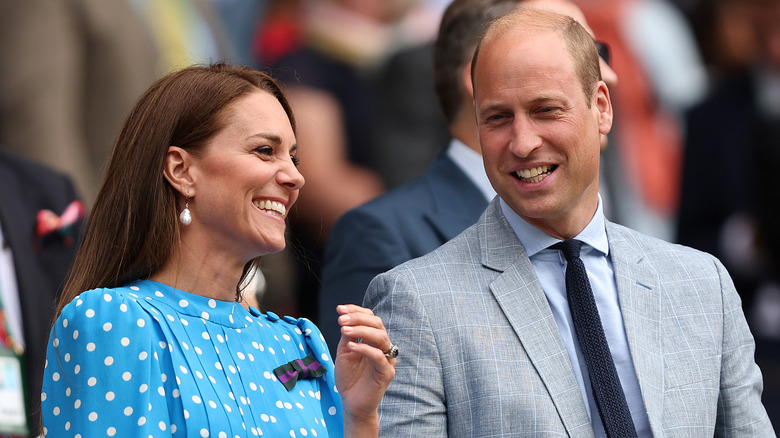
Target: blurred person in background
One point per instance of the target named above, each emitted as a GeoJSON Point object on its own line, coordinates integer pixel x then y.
{"type": "Point", "coordinates": [661, 74]}
{"type": "Point", "coordinates": [40, 229]}
{"type": "Point", "coordinates": [328, 75]}
{"type": "Point", "coordinates": [730, 192]}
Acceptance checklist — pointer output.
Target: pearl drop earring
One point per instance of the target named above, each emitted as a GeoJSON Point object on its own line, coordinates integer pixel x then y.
{"type": "Point", "coordinates": [185, 217]}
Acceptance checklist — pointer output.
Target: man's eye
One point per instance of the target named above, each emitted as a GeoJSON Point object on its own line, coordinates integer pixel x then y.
{"type": "Point", "coordinates": [295, 161]}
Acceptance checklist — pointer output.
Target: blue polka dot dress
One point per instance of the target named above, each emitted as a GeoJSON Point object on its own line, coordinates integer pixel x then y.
{"type": "Point", "coordinates": [148, 360]}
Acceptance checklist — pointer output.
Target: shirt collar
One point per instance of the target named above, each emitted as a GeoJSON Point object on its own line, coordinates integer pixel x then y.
{"type": "Point", "coordinates": [470, 162]}
{"type": "Point", "coordinates": [535, 240]}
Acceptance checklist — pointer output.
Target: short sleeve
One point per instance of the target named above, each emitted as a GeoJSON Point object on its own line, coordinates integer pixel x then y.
{"type": "Point", "coordinates": [103, 374]}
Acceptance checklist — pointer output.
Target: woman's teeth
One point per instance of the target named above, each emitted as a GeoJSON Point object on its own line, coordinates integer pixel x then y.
{"type": "Point", "coordinates": [271, 207]}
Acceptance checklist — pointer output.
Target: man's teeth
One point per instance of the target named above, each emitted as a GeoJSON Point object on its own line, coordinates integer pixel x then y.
{"type": "Point", "coordinates": [271, 207]}
{"type": "Point", "coordinates": [534, 174]}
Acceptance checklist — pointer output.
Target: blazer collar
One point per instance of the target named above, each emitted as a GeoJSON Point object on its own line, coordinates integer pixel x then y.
{"type": "Point", "coordinates": [525, 305]}
{"type": "Point", "coordinates": [639, 292]}
{"type": "Point", "coordinates": [457, 202]}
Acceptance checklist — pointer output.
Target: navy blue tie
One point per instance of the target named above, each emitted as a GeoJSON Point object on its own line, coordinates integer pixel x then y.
{"type": "Point", "coordinates": [604, 381]}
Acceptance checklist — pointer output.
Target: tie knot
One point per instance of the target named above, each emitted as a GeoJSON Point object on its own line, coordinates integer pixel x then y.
{"type": "Point", "coordinates": [570, 248]}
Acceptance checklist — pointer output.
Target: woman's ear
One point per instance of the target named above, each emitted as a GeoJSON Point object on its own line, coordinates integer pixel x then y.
{"type": "Point", "coordinates": [177, 170]}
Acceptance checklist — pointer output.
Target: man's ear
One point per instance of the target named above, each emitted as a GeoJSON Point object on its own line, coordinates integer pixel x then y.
{"type": "Point", "coordinates": [604, 106]}
{"type": "Point", "coordinates": [177, 170]}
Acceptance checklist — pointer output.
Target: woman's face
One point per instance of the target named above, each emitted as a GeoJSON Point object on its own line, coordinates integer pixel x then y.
{"type": "Point", "coordinates": [246, 180]}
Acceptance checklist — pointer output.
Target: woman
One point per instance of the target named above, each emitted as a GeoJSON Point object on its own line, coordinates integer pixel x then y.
{"type": "Point", "coordinates": [198, 186]}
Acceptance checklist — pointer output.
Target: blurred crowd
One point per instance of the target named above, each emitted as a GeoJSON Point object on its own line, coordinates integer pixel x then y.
{"type": "Point", "coordinates": [691, 158]}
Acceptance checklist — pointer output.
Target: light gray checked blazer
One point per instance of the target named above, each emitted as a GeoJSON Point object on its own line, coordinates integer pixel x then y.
{"type": "Point", "coordinates": [481, 355]}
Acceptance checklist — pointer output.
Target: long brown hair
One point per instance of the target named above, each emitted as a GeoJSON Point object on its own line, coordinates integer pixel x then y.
{"type": "Point", "coordinates": [133, 226]}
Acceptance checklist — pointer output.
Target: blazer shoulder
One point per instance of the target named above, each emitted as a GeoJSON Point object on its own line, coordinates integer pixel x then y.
{"type": "Point", "coordinates": [658, 251]}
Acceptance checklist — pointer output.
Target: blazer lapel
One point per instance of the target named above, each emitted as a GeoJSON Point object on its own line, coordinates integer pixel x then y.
{"type": "Point", "coordinates": [525, 305]}
{"type": "Point", "coordinates": [458, 203]}
{"type": "Point", "coordinates": [640, 303]}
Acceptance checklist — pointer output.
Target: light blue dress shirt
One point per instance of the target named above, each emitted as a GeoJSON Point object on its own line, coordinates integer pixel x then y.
{"type": "Point", "coordinates": [550, 267]}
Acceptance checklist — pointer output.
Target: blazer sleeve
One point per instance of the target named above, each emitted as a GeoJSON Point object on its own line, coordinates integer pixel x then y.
{"type": "Point", "coordinates": [740, 412]}
{"type": "Point", "coordinates": [414, 404]}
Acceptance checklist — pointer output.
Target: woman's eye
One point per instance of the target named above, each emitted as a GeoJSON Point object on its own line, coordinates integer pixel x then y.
{"type": "Point", "coordinates": [295, 160]}
{"type": "Point", "coordinates": [264, 150]}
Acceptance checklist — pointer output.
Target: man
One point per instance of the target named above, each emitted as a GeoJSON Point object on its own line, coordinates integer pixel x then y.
{"type": "Point", "coordinates": [39, 240]}
{"type": "Point", "coordinates": [486, 336]}
{"type": "Point", "coordinates": [420, 216]}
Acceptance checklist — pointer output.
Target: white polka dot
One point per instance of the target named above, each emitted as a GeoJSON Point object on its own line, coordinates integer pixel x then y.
{"type": "Point", "coordinates": [91, 346]}
{"type": "Point", "coordinates": [221, 339]}
{"type": "Point", "coordinates": [183, 369]}
{"type": "Point", "coordinates": [93, 416]}
{"type": "Point", "coordinates": [43, 396]}
{"type": "Point", "coordinates": [173, 428]}
{"type": "Point", "coordinates": [67, 357]}
{"type": "Point", "coordinates": [170, 318]}
{"type": "Point", "coordinates": [199, 374]}
{"type": "Point", "coordinates": [90, 313]}
{"type": "Point", "coordinates": [123, 307]}
{"type": "Point", "coordinates": [206, 336]}
{"type": "Point", "coordinates": [159, 294]}
{"type": "Point", "coordinates": [161, 391]}
{"type": "Point", "coordinates": [264, 417]}
{"type": "Point", "coordinates": [287, 405]}
{"type": "Point", "coordinates": [135, 288]}
{"type": "Point", "coordinates": [143, 355]}
{"type": "Point", "coordinates": [141, 322]}
{"type": "Point", "coordinates": [271, 350]}
{"type": "Point", "coordinates": [77, 404]}
{"type": "Point", "coordinates": [75, 334]}
{"type": "Point", "coordinates": [204, 433]}
{"type": "Point", "coordinates": [128, 411]}
{"type": "Point", "coordinates": [205, 315]}
{"type": "Point", "coordinates": [143, 388]}
{"type": "Point", "coordinates": [218, 365]}
{"type": "Point", "coordinates": [67, 425]}
{"type": "Point", "coordinates": [56, 410]}
{"type": "Point", "coordinates": [304, 432]}
{"type": "Point", "coordinates": [325, 357]}
{"type": "Point", "coordinates": [55, 377]}
{"type": "Point", "coordinates": [222, 435]}
{"type": "Point", "coordinates": [279, 404]}
{"type": "Point", "coordinates": [299, 406]}
{"type": "Point", "coordinates": [286, 337]}
{"type": "Point", "coordinates": [109, 361]}
{"type": "Point", "coordinates": [198, 350]}
{"type": "Point", "coordinates": [141, 421]}
{"type": "Point", "coordinates": [186, 414]}
{"type": "Point", "coordinates": [65, 322]}
{"type": "Point", "coordinates": [125, 341]}
{"type": "Point", "coordinates": [126, 376]}
{"type": "Point", "coordinates": [175, 393]}
{"type": "Point", "coordinates": [332, 410]}
{"type": "Point", "coordinates": [196, 399]}
{"type": "Point", "coordinates": [183, 303]}
{"type": "Point", "coordinates": [91, 381]}
{"type": "Point", "coordinates": [162, 425]}
{"type": "Point", "coordinates": [111, 431]}
{"type": "Point", "coordinates": [110, 395]}
{"type": "Point", "coordinates": [213, 404]}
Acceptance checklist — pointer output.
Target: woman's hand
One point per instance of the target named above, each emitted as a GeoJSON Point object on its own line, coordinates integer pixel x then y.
{"type": "Point", "coordinates": [363, 372]}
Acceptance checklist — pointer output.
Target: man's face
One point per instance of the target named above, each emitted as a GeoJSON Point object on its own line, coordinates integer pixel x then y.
{"type": "Point", "coordinates": [540, 140]}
